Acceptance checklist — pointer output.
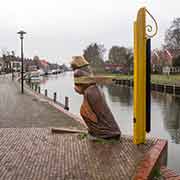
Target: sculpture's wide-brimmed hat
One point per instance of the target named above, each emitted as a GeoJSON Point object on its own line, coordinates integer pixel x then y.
{"type": "Point", "coordinates": [78, 62]}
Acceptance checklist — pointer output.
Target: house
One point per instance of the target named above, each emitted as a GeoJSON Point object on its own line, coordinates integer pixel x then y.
{"type": "Point", "coordinates": [44, 65]}
{"type": "Point", "coordinates": [30, 65]}
{"type": "Point", "coordinates": [116, 68]}
{"type": "Point", "coordinates": [16, 65]}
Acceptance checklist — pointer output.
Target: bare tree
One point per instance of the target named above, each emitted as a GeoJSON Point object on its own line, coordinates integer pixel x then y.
{"type": "Point", "coordinates": [94, 54]}
{"type": "Point", "coordinates": [172, 36]}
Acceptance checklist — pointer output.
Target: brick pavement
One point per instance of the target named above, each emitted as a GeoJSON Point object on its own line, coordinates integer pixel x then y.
{"type": "Point", "coordinates": [36, 153]}
{"type": "Point", "coordinates": [169, 174]}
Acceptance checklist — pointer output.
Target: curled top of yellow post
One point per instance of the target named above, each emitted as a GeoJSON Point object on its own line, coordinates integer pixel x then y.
{"type": "Point", "coordinates": [149, 27]}
{"type": "Point", "coordinates": [151, 30]}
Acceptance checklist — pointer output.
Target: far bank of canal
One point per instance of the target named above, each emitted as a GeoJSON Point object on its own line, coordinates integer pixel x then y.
{"type": "Point", "coordinates": [165, 110]}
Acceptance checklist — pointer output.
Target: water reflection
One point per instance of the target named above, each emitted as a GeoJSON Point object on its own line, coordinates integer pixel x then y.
{"type": "Point", "coordinates": [168, 104]}
{"type": "Point", "coordinates": [172, 118]}
{"type": "Point", "coordinates": [44, 80]}
{"type": "Point", "coordinates": [120, 94]}
{"type": "Point", "coordinates": [170, 114]}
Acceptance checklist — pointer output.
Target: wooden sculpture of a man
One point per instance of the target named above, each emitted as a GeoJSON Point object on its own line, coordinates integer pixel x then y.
{"type": "Point", "coordinates": [94, 109]}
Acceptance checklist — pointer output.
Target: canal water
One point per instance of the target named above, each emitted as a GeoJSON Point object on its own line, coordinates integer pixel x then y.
{"type": "Point", "coordinates": [165, 110]}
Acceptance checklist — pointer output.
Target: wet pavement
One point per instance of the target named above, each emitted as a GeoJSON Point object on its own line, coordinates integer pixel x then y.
{"type": "Point", "coordinates": [36, 153]}
{"type": "Point", "coordinates": [17, 110]}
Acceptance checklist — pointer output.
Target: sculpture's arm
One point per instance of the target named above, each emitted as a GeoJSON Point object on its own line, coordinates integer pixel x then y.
{"type": "Point", "coordinates": [94, 99]}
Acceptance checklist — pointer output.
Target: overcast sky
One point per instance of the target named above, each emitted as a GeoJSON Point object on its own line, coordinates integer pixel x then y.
{"type": "Point", "coordinates": [58, 29]}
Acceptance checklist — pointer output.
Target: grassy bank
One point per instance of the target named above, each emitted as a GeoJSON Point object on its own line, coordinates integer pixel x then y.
{"type": "Point", "coordinates": [165, 79]}
{"type": "Point", "coordinates": [115, 76]}
{"type": "Point", "coordinates": [159, 79]}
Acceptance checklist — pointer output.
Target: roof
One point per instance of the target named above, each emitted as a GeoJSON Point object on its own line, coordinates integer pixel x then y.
{"type": "Point", "coordinates": [44, 62]}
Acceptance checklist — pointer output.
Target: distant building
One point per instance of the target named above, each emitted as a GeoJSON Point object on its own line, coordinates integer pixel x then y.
{"type": "Point", "coordinates": [30, 65]}
{"type": "Point", "coordinates": [116, 68]}
{"type": "Point", "coordinates": [53, 66]}
{"type": "Point", "coordinates": [44, 66]}
{"type": "Point", "coordinates": [163, 57]}
{"type": "Point", "coordinates": [160, 59]}
{"type": "Point", "coordinates": [32, 68]}
{"type": "Point", "coordinates": [16, 65]}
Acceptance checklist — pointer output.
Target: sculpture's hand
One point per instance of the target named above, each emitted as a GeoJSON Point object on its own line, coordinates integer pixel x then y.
{"type": "Point", "coordinates": [78, 89]}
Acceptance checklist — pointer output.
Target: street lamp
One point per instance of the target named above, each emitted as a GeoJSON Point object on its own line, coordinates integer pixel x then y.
{"type": "Point", "coordinates": [21, 33]}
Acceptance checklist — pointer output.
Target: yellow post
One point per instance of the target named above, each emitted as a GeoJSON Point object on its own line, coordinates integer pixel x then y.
{"type": "Point", "coordinates": [140, 77]}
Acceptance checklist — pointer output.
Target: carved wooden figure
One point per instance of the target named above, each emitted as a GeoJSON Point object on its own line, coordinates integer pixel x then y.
{"type": "Point", "coordinates": [94, 109]}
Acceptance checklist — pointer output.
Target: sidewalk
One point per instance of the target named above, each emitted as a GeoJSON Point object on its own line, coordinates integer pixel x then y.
{"type": "Point", "coordinates": [17, 110]}
{"type": "Point", "coordinates": [36, 153]}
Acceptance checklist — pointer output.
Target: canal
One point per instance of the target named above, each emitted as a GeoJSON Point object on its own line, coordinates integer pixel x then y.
{"type": "Point", "coordinates": [165, 110]}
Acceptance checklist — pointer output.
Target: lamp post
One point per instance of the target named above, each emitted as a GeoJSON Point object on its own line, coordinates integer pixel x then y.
{"type": "Point", "coordinates": [21, 33]}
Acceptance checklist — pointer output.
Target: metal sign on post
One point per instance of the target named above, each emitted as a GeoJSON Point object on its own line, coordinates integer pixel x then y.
{"type": "Point", "coordinates": [142, 56]}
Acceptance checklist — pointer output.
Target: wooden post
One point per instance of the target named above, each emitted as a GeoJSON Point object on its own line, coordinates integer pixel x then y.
{"type": "Point", "coordinates": [36, 87]}
{"type": "Point", "coordinates": [39, 89]}
{"type": "Point", "coordinates": [164, 88]}
{"type": "Point", "coordinates": [174, 89]}
{"type": "Point", "coordinates": [122, 82]}
{"type": "Point", "coordinates": [32, 86]}
{"type": "Point", "coordinates": [125, 82]}
{"type": "Point", "coordinates": [55, 97]}
{"type": "Point", "coordinates": [46, 92]}
{"type": "Point", "coordinates": [66, 103]}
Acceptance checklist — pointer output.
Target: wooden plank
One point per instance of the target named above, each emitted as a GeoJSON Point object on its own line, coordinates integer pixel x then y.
{"type": "Point", "coordinates": [66, 130]}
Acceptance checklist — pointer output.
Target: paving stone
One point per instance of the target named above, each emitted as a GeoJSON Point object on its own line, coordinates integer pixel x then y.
{"type": "Point", "coordinates": [36, 153]}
